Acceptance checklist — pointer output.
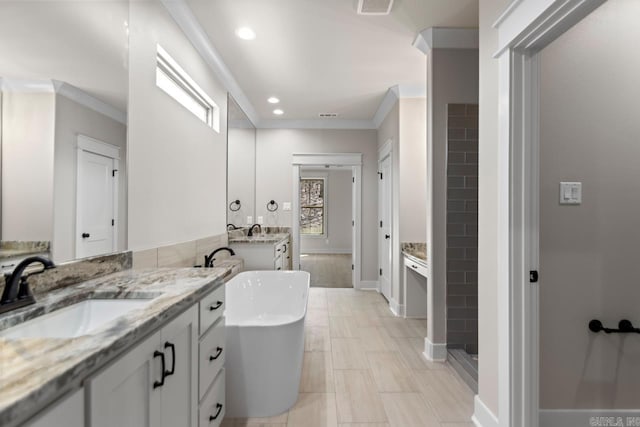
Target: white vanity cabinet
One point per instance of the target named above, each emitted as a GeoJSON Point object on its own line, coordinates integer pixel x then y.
{"type": "Point", "coordinates": [66, 412]}
{"type": "Point", "coordinates": [264, 256]}
{"type": "Point", "coordinates": [211, 356]}
{"type": "Point", "coordinates": [154, 384]}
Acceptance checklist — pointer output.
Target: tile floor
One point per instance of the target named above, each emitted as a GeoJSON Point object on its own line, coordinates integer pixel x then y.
{"type": "Point", "coordinates": [363, 368]}
{"type": "Point", "coordinates": [328, 270]}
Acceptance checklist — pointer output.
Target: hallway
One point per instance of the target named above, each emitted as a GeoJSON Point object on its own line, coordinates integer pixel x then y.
{"type": "Point", "coordinates": [363, 367]}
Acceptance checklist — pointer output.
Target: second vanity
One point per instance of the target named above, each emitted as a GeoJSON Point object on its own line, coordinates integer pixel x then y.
{"type": "Point", "coordinates": [158, 363]}
{"type": "Point", "coordinates": [269, 251]}
{"type": "Point", "coordinates": [415, 280]}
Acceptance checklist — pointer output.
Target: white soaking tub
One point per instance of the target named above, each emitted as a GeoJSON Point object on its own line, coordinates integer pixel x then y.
{"type": "Point", "coordinates": [265, 315]}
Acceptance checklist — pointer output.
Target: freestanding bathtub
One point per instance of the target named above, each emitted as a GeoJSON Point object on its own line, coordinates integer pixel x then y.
{"type": "Point", "coordinates": [265, 315]}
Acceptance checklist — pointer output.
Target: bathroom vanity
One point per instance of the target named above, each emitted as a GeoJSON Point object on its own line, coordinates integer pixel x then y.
{"type": "Point", "coordinates": [158, 363]}
{"type": "Point", "coordinates": [263, 251]}
{"type": "Point", "coordinates": [415, 280]}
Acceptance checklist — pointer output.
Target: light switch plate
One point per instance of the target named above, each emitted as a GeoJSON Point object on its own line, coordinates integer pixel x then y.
{"type": "Point", "coordinates": [570, 193]}
{"type": "Point", "coordinates": [286, 206]}
{"type": "Point", "coordinates": [260, 220]}
{"type": "Point", "coordinates": [249, 220]}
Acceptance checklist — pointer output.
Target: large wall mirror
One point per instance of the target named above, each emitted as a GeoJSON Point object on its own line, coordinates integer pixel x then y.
{"type": "Point", "coordinates": [64, 75]}
{"type": "Point", "coordinates": [241, 167]}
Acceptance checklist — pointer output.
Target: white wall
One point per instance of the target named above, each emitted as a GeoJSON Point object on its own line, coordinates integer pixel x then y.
{"type": "Point", "coordinates": [27, 165]}
{"type": "Point", "coordinates": [338, 210]}
{"type": "Point", "coordinates": [72, 119]}
{"type": "Point", "coordinates": [274, 150]}
{"type": "Point", "coordinates": [488, 217]}
{"type": "Point", "coordinates": [177, 164]}
{"type": "Point", "coordinates": [413, 169]}
{"type": "Point", "coordinates": [242, 174]}
{"type": "Point", "coordinates": [405, 125]}
{"type": "Point", "coordinates": [589, 253]}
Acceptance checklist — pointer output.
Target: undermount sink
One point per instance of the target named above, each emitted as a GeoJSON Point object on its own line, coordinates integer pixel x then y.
{"type": "Point", "coordinates": [76, 320]}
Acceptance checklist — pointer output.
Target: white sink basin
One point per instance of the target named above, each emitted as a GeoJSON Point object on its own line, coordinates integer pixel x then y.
{"type": "Point", "coordinates": [76, 320]}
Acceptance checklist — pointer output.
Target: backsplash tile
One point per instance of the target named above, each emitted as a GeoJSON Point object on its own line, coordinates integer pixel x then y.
{"type": "Point", "coordinates": [178, 255]}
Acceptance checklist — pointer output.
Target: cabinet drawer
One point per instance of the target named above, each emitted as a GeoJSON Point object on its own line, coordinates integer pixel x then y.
{"type": "Point", "coordinates": [211, 355]}
{"type": "Point", "coordinates": [417, 267]}
{"type": "Point", "coordinates": [211, 308]}
{"type": "Point", "coordinates": [212, 408]}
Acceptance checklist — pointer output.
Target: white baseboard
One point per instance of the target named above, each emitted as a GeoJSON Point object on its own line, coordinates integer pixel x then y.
{"type": "Point", "coordinates": [483, 417]}
{"type": "Point", "coordinates": [368, 285]}
{"type": "Point", "coordinates": [396, 308]}
{"type": "Point", "coordinates": [584, 417]}
{"type": "Point", "coordinates": [326, 251]}
{"type": "Point", "coordinates": [435, 352]}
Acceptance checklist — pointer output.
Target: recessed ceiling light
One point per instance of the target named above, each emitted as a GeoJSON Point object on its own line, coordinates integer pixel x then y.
{"type": "Point", "coordinates": [273, 100]}
{"type": "Point", "coordinates": [278, 112]}
{"type": "Point", "coordinates": [246, 33]}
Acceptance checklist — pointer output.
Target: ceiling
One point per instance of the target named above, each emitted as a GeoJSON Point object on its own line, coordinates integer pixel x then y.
{"type": "Point", "coordinates": [320, 56]}
{"type": "Point", "coordinates": [83, 43]}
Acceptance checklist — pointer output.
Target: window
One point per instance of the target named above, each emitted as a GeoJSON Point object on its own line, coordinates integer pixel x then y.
{"type": "Point", "coordinates": [172, 79]}
{"type": "Point", "coordinates": [312, 206]}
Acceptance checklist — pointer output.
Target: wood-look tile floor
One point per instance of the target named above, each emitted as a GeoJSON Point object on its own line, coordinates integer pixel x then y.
{"type": "Point", "coordinates": [364, 368]}
{"type": "Point", "coordinates": [328, 270]}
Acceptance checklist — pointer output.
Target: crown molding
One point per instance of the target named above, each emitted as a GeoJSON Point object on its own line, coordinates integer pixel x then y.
{"type": "Point", "coordinates": [26, 85]}
{"type": "Point", "coordinates": [446, 38]}
{"type": "Point", "coordinates": [392, 96]}
{"type": "Point", "coordinates": [83, 98]}
{"type": "Point", "coordinates": [315, 124]}
{"type": "Point", "coordinates": [190, 26]}
{"type": "Point", "coordinates": [64, 89]}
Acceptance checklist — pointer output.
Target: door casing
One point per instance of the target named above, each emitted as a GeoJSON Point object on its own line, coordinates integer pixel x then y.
{"type": "Point", "coordinates": [92, 145]}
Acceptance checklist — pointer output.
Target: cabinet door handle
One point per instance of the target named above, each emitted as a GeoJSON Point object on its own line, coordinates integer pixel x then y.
{"type": "Point", "coordinates": [161, 356]}
{"type": "Point", "coordinates": [219, 409]}
{"type": "Point", "coordinates": [414, 266]}
{"type": "Point", "coordinates": [173, 358]}
{"type": "Point", "coordinates": [386, 236]}
{"type": "Point", "coordinates": [218, 353]}
{"type": "Point", "coordinates": [215, 307]}
{"type": "Point", "coordinates": [86, 235]}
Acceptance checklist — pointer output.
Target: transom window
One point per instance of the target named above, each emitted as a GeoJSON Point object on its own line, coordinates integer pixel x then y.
{"type": "Point", "coordinates": [312, 206]}
{"type": "Point", "coordinates": [173, 80]}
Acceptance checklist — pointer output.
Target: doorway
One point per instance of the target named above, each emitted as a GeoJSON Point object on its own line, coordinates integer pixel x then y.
{"type": "Point", "coordinates": [325, 226]}
{"type": "Point", "coordinates": [312, 223]}
{"type": "Point", "coordinates": [96, 197]}
{"type": "Point", "coordinates": [526, 272]}
{"type": "Point", "coordinates": [385, 220]}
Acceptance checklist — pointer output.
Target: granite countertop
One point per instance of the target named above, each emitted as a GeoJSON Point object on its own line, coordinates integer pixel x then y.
{"type": "Point", "coordinates": [259, 238]}
{"type": "Point", "coordinates": [415, 250]}
{"type": "Point", "coordinates": [34, 372]}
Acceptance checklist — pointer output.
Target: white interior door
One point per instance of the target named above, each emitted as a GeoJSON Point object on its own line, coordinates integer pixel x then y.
{"type": "Point", "coordinates": [384, 230]}
{"type": "Point", "coordinates": [95, 222]}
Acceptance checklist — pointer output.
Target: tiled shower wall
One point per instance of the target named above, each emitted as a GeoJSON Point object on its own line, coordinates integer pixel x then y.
{"type": "Point", "coordinates": [462, 227]}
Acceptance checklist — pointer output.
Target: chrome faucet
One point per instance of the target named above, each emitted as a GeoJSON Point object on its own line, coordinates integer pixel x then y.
{"type": "Point", "coordinates": [250, 233]}
{"type": "Point", "coordinates": [208, 259]}
{"type": "Point", "coordinates": [16, 289]}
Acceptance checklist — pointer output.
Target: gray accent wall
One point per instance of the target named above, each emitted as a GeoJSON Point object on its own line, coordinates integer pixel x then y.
{"type": "Point", "coordinates": [589, 133]}
{"type": "Point", "coordinates": [462, 227]}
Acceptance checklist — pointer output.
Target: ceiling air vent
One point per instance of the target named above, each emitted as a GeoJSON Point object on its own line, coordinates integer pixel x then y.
{"type": "Point", "coordinates": [328, 115]}
{"type": "Point", "coordinates": [374, 7]}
